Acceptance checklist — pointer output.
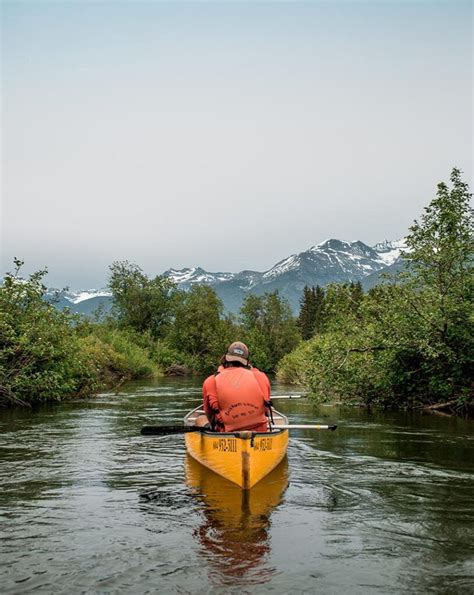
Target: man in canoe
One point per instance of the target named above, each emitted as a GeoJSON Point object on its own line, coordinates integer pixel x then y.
{"type": "Point", "coordinates": [237, 396]}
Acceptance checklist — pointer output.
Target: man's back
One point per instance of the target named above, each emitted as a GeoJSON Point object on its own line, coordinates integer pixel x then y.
{"type": "Point", "coordinates": [236, 398]}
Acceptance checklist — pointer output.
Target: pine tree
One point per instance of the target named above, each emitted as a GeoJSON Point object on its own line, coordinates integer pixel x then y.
{"type": "Point", "coordinates": [318, 293]}
{"type": "Point", "coordinates": [310, 319]}
{"type": "Point", "coordinates": [305, 319]}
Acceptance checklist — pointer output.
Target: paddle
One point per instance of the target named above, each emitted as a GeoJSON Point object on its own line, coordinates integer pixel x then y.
{"type": "Point", "coordinates": [167, 430]}
{"type": "Point", "coordinates": [275, 397]}
{"type": "Point", "coordinates": [305, 427]}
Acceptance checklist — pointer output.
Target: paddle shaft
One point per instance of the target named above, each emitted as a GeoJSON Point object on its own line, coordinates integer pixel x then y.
{"type": "Point", "coordinates": [275, 397]}
{"type": "Point", "coordinates": [304, 427]}
{"type": "Point", "coordinates": [167, 430]}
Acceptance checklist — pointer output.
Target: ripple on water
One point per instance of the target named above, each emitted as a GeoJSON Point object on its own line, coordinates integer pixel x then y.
{"type": "Point", "coordinates": [88, 505]}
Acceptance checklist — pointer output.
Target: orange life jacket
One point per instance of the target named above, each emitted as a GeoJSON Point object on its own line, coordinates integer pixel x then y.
{"type": "Point", "coordinates": [241, 400]}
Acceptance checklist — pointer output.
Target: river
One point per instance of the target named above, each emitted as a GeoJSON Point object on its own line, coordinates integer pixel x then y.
{"type": "Point", "coordinates": [385, 504]}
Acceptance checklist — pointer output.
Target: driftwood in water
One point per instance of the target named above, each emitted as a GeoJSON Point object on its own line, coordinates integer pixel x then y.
{"type": "Point", "coordinates": [438, 406]}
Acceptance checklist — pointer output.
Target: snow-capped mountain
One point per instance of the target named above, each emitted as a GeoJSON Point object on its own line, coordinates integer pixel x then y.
{"type": "Point", "coordinates": [187, 277]}
{"type": "Point", "coordinates": [331, 261]}
{"type": "Point", "coordinates": [80, 301]}
{"type": "Point", "coordinates": [389, 252]}
{"type": "Point", "coordinates": [79, 295]}
{"type": "Point", "coordinates": [335, 259]}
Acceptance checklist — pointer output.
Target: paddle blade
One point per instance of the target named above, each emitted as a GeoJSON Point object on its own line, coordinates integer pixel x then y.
{"type": "Point", "coordinates": [167, 430]}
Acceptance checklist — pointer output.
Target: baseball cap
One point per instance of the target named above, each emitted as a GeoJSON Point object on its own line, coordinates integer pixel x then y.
{"type": "Point", "coordinates": [237, 352]}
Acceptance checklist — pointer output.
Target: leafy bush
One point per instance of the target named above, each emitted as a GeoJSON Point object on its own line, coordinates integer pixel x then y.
{"type": "Point", "coordinates": [410, 342]}
{"type": "Point", "coordinates": [40, 353]}
{"type": "Point", "coordinates": [118, 353]}
{"type": "Point", "coordinates": [268, 328]}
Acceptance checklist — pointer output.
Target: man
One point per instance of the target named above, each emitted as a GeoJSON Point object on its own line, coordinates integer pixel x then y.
{"type": "Point", "coordinates": [237, 395]}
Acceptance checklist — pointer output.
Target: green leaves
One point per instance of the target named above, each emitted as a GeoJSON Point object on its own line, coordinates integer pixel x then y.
{"type": "Point", "coordinates": [311, 315]}
{"type": "Point", "coordinates": [198, 329]}
{"type": "Point", "coordinates": [40, 352]}
{"type": "Point", "coordinates": [268, 328]}
{"type": "Point", "coordinates": [409, 342]}
{"type": "Point", "coordinates": [141, 303]}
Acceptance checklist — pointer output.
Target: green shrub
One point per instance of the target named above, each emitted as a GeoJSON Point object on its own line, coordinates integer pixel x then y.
{"type": "Point", "coordinates": [40, 352]}
{"type": "Point", "coordinates": [119, 353]}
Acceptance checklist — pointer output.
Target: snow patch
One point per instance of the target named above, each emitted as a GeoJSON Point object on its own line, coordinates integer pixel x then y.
{"type": "Point", "coordinates": [388, 252]}
{"type": "Point", "coordinates": [197, 275]}
{"type": "Point", "coordinates": [289, 264]}
{"type": "Point", "coordinates": [77, 297]}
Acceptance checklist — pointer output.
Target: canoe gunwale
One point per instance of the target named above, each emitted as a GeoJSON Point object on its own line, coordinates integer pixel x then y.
{"type": "Point", "coordinates": [242, 434]}
{"type": "Point", "coordinates": [238, 434]}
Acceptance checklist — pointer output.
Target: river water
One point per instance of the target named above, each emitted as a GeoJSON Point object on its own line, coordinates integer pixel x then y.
{"type": "Point", "coordinates": [385, 504]}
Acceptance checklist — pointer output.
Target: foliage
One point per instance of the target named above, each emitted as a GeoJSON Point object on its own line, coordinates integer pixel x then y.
{"type": "Point", "coordinates": [268, 328]}
{"type": "Point", "coordinates": [405, 343]}
{"type": "Point", "coordinates": [311, 311]}
{"type": "Point", "coordinates": [122, 353]}
{"type": "Point", "coordinates": [47, 354]}
{"type": "Point", "coordinates": [437, 296]}
{"type": "Point", "coordinates": [140, 303]}
{"type": "Point", "coordinates": [409, 342]}
{"type": "Point", "coordinates": [341, 306]}
{"type": "Point", "coordinates": [199, 330]}
{"type": "Point", "coordinates": [40, 353]}
{"type": "Point", "coordinates": [323, 309]}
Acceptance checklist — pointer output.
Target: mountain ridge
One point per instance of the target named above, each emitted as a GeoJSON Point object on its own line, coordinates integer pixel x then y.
{"type": "Point", "coordinates": [331, 261]}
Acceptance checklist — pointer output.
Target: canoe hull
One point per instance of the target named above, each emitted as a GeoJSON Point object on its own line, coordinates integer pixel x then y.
{"type": "Point", "coordinates": [241, 457]}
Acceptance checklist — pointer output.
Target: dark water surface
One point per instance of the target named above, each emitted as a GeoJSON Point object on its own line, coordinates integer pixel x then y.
{"type": "Point", "coordinates": [87, 505]}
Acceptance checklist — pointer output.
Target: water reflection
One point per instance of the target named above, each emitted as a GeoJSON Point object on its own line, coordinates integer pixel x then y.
{"type": "Point", "coordinates": [383, 505]}
{"type": "Point", "coordinates": [234, 534]}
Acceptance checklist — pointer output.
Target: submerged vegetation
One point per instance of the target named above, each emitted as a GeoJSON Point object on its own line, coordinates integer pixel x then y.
{"type": "Point", "coordinates": [408, 342]}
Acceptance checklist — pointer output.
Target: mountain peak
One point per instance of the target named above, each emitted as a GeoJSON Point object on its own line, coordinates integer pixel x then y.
{"type": "Point", "coordinates": [331, 244]}
{"type": "Point", "coordinates": [389, 250]}
{"type": "Point", "coordinates": [331, 261]}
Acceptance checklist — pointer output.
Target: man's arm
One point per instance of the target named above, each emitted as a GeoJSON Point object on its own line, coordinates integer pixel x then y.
{"type": "Point", "coordinates": [264, 384]}
{"type": "Point", "coordinates": [209, 399]}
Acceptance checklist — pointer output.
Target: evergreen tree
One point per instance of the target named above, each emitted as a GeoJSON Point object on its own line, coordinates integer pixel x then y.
{"type": "Point", "coordinates": [319, 294]}
{"type": "Point", "coordinates": [306, 319]}
{"type": "Point", "coordinates": [310, 318]}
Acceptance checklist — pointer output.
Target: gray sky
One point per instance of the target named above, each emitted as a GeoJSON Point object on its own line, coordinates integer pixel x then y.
{"type": "Point", "coordinates": [224, 135]}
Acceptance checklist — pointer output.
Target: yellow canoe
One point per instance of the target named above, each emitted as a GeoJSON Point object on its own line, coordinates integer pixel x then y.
{"type": "Point", "coordinates": [242, 457]}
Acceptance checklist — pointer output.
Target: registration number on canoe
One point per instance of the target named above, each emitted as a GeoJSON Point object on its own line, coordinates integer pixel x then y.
{"type": "Point", "coordinates": [263, 444]}
{"type": "Point", "coordinates": [225, 445]}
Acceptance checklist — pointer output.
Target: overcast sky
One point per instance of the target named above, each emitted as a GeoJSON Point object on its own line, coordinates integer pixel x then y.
{"type": "Point", "coordinates": [224, 135]}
